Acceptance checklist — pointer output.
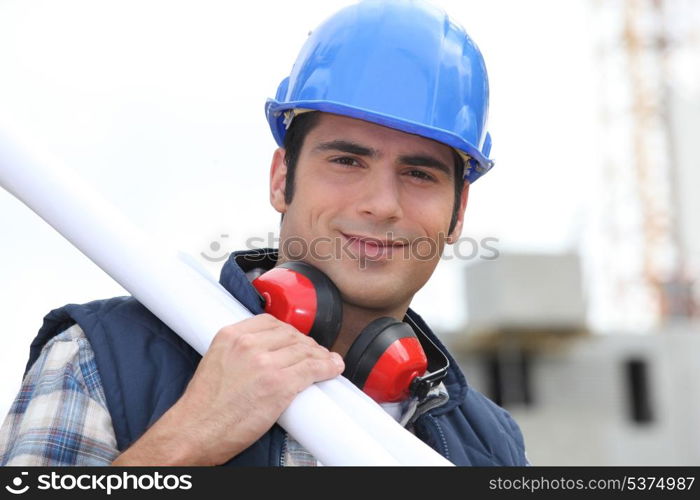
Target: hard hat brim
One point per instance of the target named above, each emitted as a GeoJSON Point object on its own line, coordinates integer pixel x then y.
{"type": "Point", "coordinates": [476, 163]}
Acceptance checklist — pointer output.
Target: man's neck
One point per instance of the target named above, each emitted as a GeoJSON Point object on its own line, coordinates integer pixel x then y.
{"type": "Point", "coordinates": [355, 319]}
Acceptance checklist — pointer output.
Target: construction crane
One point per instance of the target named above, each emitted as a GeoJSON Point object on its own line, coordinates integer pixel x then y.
{"type": "Point", "coordinates": [647, 274]}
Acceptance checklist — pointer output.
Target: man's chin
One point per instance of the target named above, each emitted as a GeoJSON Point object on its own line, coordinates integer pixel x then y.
{"type": "Point", "coordinates": [371, 293]}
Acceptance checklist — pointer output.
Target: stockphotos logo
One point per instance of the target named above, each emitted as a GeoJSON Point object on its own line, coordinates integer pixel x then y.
{"type": "Point", "coordinates": [107, 483]}
{"type": "Point", "coordinates": [114, 482]}
{"type": "Point", "coordinates": [17, 483]}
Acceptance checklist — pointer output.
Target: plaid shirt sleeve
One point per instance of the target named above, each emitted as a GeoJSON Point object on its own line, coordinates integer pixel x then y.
{"type": "Point", "coordinates": [60, 415]}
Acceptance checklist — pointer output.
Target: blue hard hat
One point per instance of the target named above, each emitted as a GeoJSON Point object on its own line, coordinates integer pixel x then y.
{"type": "Point", "coordinates": [402, 64]}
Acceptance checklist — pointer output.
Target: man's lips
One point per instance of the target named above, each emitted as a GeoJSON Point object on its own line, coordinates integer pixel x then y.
{"type": "Point", "coordinates": [372, 247]}
{"type": "Point", "coordinates": [378, 242]}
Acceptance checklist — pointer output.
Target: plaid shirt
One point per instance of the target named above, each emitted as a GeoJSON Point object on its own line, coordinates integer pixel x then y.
{"type": "Point", "coordinates": [60, 415]}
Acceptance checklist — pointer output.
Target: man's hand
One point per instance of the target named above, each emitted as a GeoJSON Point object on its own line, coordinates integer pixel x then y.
{"type": "Point", "coordinates": [250, 374]}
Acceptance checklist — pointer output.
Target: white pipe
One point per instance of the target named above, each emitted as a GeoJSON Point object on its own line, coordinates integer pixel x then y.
{"type": "Point", "coordinates": [196, 307]}
{"type": "Point", "coordinates": [315, 414]}
{"type": "Point", "coordinates": [406, 448]}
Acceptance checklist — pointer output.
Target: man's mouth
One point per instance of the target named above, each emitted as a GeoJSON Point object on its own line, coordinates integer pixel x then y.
{"type": "Point", "coordinates": [372, 247]}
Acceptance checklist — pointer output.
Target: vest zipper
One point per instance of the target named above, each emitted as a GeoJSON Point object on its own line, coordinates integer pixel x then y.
{"type": "Point", "coordinates": [284, 450]}
{"type": "Point", "coordinates": [429, 421]}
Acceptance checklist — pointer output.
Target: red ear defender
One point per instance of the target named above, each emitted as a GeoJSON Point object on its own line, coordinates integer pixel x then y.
{"type": "Point", "coordinates": [301, 295]}
{"type": "Point", "coordinates": [385, 360]}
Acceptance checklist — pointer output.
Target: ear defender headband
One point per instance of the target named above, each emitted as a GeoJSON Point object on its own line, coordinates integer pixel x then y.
{"type": "Point", "coordinates": [387, 360]}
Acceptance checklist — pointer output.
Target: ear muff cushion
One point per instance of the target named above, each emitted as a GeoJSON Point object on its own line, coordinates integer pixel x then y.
{"type": "Point", "coordinates": [369, 346]}
{"type": "Point", "coordinates": [329, 308]}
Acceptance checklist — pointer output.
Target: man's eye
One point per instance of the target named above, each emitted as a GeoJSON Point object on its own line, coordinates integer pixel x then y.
{"type": "Point", "coordinates": [420, 174]}
{"type": "Point", "coordinates": [345, 160]}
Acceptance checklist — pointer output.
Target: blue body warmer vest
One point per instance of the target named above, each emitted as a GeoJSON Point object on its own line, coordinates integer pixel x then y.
{"type": "Point", "coordinates": [145, 367]}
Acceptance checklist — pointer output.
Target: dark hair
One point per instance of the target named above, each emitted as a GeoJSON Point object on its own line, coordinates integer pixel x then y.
{"type": "Point", "coordinates": [294, 141]}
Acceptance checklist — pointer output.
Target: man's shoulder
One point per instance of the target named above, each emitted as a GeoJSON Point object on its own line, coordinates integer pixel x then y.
{"type": "Point", "coordinates": [121, 305]}
{"type": "Point", "coordinates": [120, 323]}
{"type": "Point", "coordinates": [143, 365]}
{"type": "Point", "coordinates": [493, 412]}
{"type": "Point", "coordinates": [103, 314]}
{"type": "Point", "coordinates": [62, 318]}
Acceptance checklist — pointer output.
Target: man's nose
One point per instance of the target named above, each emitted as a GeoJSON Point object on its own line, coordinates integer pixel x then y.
{"type": "Point", "coordinates": [381, 197]}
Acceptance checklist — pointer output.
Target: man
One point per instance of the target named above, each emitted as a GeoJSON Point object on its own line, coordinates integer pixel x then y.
{"type": "Point", "coordinates": [382, 130]}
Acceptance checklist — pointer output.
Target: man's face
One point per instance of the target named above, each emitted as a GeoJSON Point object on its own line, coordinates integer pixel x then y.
{"type": "Point", "coordinates": [371, 209]}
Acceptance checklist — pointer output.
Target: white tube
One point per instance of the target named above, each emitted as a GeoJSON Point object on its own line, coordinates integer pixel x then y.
{"type": "Point", "coordinates": [192, 305]}
{"type": "Point", "coordinates": [404, 446]}
{"type": "Point", "coordinates": [315, 414]}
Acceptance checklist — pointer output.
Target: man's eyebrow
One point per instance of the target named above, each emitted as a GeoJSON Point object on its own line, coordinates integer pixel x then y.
{"type": "Point", "coordinates": [421, 160]}
{"type": "Point", "coordinates": [416, 160]}
{"type": "Point", "coordinates": [347, 147]}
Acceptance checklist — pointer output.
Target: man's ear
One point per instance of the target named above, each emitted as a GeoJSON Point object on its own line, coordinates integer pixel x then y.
{"type": "Point", "coordinates": [457, 231]}
{"type": "Point", "coordinates": [278, 181]}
